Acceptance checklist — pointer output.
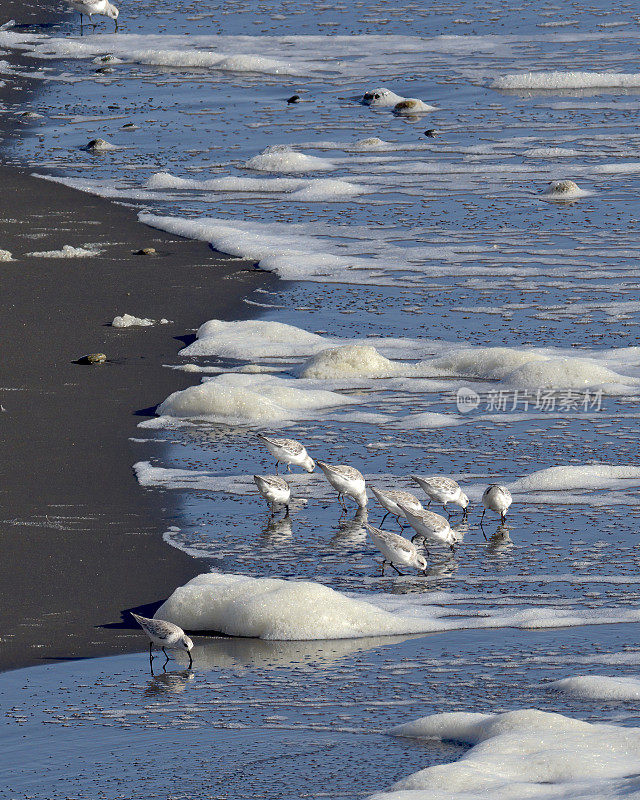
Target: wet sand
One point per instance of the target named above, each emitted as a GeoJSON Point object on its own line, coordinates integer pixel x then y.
{"type": "Point", "coordinates": [80, 541]}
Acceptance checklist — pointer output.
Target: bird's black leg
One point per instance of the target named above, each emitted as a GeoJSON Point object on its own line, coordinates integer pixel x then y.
{"type": "Point", "coordinates": [151, 655]}
{"type": "Point", "coordinates": [396, 569]}
{"type": "Point", "coordinates": [81, 26]}
{"type": "Point", "coordinates": [166, 657]}
{"type": "Point", "coordinates": [276, 467]}
{"type": "Point", "coordinates": [482, 517]}
{"type": "Point", "coordinates": [464, 513]}
{"type": "Point", "coordinates": [383, 518]}
{"type": "Point", "coordinates": [287, 514]}
{"type": "Point", "coordinates": [503, 518]}
{"type": "Point", "coordinates": [429, 503]}
{"type": "Point", "coordinates": [190, 658]}
{"type": "Point", "coordinates": [383, 563]}
{"type": "Point", "coordinates": [289, 468]}
{"type": "Point", "coordinates": [115, 22]}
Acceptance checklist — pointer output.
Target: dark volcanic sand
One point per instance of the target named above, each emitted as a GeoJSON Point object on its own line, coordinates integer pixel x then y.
{"type": "Point", "coordinates": [80, 541]}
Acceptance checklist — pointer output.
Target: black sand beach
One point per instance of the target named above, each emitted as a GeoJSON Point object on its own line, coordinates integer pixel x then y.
{"type": "Point", "coordinates": [80, 541]}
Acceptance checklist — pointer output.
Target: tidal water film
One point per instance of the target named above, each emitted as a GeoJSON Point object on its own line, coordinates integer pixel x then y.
{"type": "Point", "coordinates": [448, 197]}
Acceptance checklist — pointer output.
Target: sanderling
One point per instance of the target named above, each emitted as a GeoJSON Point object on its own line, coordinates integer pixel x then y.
{"type": "Point", "coordinates": [274, 489]}
{"type": "Point", "coordinates": [289, 451]}
{"type": "Point", "coordinates": [396, 550]}
{"type": "Point", "coordinates": [496, 498]}
{"type": "Point", "coordinates": [102, 8]}
{"type": "Point", "coordinates": [390, 498]}
{"type": "Point", "coordinates": [346, 480]}
{"type": "Point", "coordinates": [431, 527]}
{"type": "Point", "coordinates": [164, 634]}
{"type": "Point", "coordinates": [443, 490]}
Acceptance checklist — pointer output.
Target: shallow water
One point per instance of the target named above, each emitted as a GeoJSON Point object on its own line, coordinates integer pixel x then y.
{"type": "Point", "coordinates": [280, 720]}
{"type": "Point", "coordinates": [422, 247]}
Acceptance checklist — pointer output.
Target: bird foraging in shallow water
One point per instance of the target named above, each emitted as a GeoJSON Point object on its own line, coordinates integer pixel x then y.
{"type": "Point", "coordinates": [431, 527]}
{"type": "Point", "coordinates": [396, 550]}
{"type": "Point", "coordinates": [496, 498]}
{"type": "Point", "coordinates": [164, 634]}
{"type": "Point", "coordinates": [442, 490]}
{"type": "Point", "coordinates": [101, 8]}
{"type": "Point", "coordinates": [390, 498]}
{"type": "Point", "coordinates": [346, 480]}
{"type": "Point", "coordinates": [274, 489]}
{"type": "Point", "coordinates": [288, 451]}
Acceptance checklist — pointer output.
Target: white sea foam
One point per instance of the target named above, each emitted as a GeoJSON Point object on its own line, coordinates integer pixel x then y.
{"type": "Point", "coordinates": [67, 251]}
{"type": "Point", "coordinates": [338, 359]}
{"type": "Point", "coordinates": [567, 80]}
{"type": "Point", "coordinates": [270, 608]}
{"type": "Point", "coordinates": [234, 398]}
{"type": "Point", "coordinates": [311, 190]}
{"type": "Point", "coordinates": [276, 609]}
{"type": "Point", "coordinates": [158, 50]}
{"type": "Point", "coordinates": [349, 361]}
{"type": "Point", "coordinates": [587, 477]}
{"type": "Point", "coordinates": [129, 321]}
{"type": "Point", "coordinates": [284, 159]}
{"type": "Point", "coordinates": [253, 339]}
{"type": "Point", "coordinates": [525, 753]}
{"type": "Point", "coordinates": [6, 255]}
{"type": "Point", "coordinates": [598, 687]}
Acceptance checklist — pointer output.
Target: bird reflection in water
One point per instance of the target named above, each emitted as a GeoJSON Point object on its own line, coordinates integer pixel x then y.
{"type": "Point", "coordinates": [351, 531]}
{"type": "Point", "coordinates": [172, 682]}
{"type": "Point", "coordinates": [500, 541]}
{"type": "Point", "coordinates": [277, 530]}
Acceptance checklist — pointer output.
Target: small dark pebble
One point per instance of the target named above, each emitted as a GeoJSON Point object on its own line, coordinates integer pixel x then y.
{"type": "Point", "coordinates": [431, 133]}
{"type": "Point", "coordinates": [105, 70]}
{"type": "Point", "coordinates": [92, 358]}
{"type": "Point", "coordinates": [295, 98]}
{"type": "Point", "coordinates": [145, 251]}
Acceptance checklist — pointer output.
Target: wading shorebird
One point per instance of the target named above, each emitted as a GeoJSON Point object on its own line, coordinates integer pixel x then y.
{"type": "Point", "coordinates": [346, 480]}
{"type": "Point", "coordinates": [396, 550]}
{"type": "Point", "coordinates": [389, 499]}
{"type": "Point", "coordinates": [431, 527]}
{"type": "Point", "coordinates": [101, 8]}
{"type": "Point", "coordinates": [288, 451]}
{"type": "Point", "coordinates": [442, 490]}
{"type": "Point", "coordinates": [275, 490]}
{"type": "Point", "coordinates": [164, 634]}
{"type": "Point", "coordinates": [496, 498]}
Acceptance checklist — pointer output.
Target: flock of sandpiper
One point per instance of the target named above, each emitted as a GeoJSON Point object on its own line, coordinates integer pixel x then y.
{"type": "Point", "coordinates": [396, 550]}
{"type": "Point", "coordinates": [429, 527]}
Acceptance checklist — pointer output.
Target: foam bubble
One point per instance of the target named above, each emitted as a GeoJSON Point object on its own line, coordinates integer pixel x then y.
{"type": "Point", "coordinates": [524, 753]}
{"type": "Point", "coordinates": [284, 159]}
{"type": "Point", "coordinates": [348, 361]}
{"type": "Point", "coordinates": [588, 476]}
{"type": "Point", "coordinates": [252, 339]}
{"type": "Point", "coordinates": [129, 321]}
{"type": "Point", "coordinates": [6, 255]}
{"type": "Point", "coordinates": [235, 398]}
{"type": "Point", "coordinates": [598, 687]}
{"type": "Point", "coordinates": [67, 251]}
{"type": "Point", "coordinates": [567, 80]}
